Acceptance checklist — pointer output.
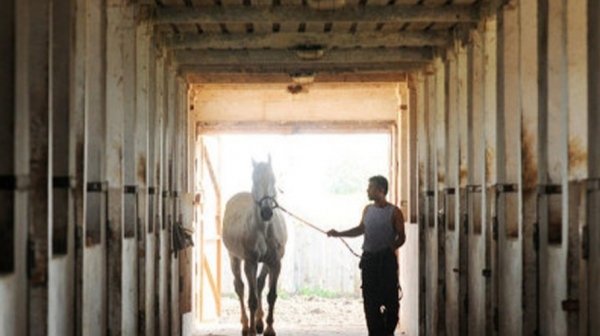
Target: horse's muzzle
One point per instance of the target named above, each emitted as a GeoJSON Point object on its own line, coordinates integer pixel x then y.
{"type": "Point", "coordinates": [266, 213]}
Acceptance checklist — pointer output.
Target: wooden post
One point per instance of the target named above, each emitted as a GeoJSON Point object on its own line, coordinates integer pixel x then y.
{"type": "Point", "coordinates": [529, 88]}
{"type": "Point", "coordinates": [509, 173]}
{"type": "Point", "coordinates": [593, 213]}
{"type": "Point", "coordinates": [142, 174]}
{"type": "Point", "coordinates": [451, 193]}
{"type": "Point", "coordinates": [476, 179]}
{"type": "Point", "coordinates": [464, 130]}
{"type": "Point", "coordinates": [36, 14]}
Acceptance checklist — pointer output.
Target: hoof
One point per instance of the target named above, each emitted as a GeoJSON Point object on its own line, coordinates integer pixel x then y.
{"type": "Point", "coordinates": [270, 331]}
{"type": "Point", "coordinates": [259, 327]}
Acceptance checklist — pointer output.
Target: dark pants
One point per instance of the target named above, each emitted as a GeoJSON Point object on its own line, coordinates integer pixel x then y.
{"type": "Point", "coordinates": [380, 291]}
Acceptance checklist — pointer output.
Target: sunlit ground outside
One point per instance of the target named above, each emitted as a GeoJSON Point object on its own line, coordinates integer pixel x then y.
{"type": "Point", "coordinates": [322, 178]}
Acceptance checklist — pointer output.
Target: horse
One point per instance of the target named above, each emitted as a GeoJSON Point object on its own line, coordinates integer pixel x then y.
{"type": "Point", "coordinates": [254, 232]}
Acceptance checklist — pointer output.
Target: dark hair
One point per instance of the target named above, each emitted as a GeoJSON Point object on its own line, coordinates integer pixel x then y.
{"type": "Point", "coordinates": [380, 182]}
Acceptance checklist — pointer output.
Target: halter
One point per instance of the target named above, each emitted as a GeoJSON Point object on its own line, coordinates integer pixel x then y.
{"type": "Point", "coordinates": [266, 212]}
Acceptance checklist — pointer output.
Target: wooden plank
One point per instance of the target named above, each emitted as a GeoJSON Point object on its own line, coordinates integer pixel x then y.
{"type": "Point", "coordinates": [38, 224]}
{"type": "Point", "coordinates": [348, 71]}
{"type": "Point", "coordinates": [372, 14]}
{"type": "Point", "coordinates": [267, 57]}
{"type": "Point", "coordinates": [341, 39]}
{"type": "Point", "coordinates": [530, 156]}
{"type": "Point", "coordinates": [304, 127]}
{"type": "Point", "coordinates": [593, 75]}
{"type": "Point", "coordinates": [285, 78]}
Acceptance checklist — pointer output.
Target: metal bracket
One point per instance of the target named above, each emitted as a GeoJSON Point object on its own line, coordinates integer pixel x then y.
{"type": "Point", "coordinates": [507, 187]}
{"type": "Point", "coordinates": [450, 191]}
{"type": "Point", "coordinates": [474, 188]}
{"type": "Point", "coordinates": [570, 305]}
{"type": "Point", "coordinates": [429, 193]}
{"type": "Point", "coordinates": [593, 184]}
{"type": "Point", "coordinates": [14, 182]}
{"type": "Point", "coordinates": [549, 189]}
{"type": "Point", "coordinates": [151, 190]}
{"type": "Point", "coordinates": [130, 189]}
{"type": "Point", "coordinates": [64, 182]}
{"type": "Point", "coordinates": [97, 186]}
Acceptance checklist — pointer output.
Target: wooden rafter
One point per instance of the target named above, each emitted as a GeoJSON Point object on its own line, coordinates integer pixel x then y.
{"type": "Point", "coordinates": [291, 40]}
{"type": "Point", "coordinates": [359, 14]}
{"type": "Point", "coordinates": [290, 57]}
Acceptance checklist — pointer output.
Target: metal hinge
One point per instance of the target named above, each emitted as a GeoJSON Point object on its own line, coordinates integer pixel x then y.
{"type": "Point", "coordinates": [486, 273]}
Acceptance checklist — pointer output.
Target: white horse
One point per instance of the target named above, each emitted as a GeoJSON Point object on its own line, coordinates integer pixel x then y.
{"type": "Point", "coordinates": [254, 231]}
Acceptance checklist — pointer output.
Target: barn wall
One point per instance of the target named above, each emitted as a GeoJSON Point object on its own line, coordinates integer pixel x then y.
{"type": "Point", "coordinates": [522, 265]}
{"type": "Point", "coordinates": [345, 102]}
{"type": "Point", "coordinates": [79, 108]}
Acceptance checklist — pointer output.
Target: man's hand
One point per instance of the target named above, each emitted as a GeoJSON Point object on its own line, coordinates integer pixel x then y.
{"type": "Point", "coordinates": [332, 233]}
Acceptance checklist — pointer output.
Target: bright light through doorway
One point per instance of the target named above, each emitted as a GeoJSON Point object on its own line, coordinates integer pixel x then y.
{"type": "Point", "coordinates": [323, 179]}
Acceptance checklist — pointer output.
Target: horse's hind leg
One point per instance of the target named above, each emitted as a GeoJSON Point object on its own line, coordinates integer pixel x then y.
{"type": "Point", "coordinates": [274, 271]}
{"type": "Point", "coordinates": [260, 286]}
{"type": "Point", "coordinates": [236, 266]}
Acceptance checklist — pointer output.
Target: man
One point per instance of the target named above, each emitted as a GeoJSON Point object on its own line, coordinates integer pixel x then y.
{"type": "Point", "coordinates": [383, 226]}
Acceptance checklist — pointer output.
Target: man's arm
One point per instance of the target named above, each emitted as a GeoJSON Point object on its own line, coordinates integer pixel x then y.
{"type": "Point", "coordinates": [398, 219]}
{"type": "Point", "coordinates": [353, 232]}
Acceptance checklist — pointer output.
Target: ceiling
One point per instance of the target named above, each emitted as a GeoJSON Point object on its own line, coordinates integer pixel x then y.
{"type": "Point", "coordinates": [217, 41]}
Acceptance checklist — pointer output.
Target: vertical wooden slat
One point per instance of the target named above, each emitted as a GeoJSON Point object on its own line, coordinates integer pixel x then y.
{"type": "Point", "coordinates": [528, 86]}
{"type": "Point", "coordinates": [115, 114]}
{"type": "Point", "coordinates": [490, 118]}
{"type": "Point", "coordinates": [440, 178]}
{"type": "Point", "coordinates": [476, 179]}
{"type": "Point", "coordinates": [464, 133]}
{"type": "Point", "coordinates": [12, 205]}
{"type": "Point", "coordinates": [509, 165]}
{"type": "Point", "coordinates": [451, 238]}
{"type": "Point", "coordinates": [422, 169]}
{"type": "Point", "coordinates": [577, 152]}
{"type": "Point", "coordinates": [60, 276]}
{"type": "Point", "coordinates": [143, 123]}
{"type": "Point", "coordinates": [40, 158]}
{"type": "Point", "coordinates": [593, 309]}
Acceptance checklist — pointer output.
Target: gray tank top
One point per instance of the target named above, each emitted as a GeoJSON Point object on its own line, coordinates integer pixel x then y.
{"type": "Point", "coordinates": [379, 228]}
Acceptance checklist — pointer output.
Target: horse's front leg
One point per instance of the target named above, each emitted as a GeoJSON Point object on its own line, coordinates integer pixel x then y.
{"type": "Point", "coordinates": [274, 271]}
{"type": "Point", "coordinates": [239, 290]}
{"type": "Point", "coordinates": [260, 286]}
{"type": "Point", "coordinates": [250, 268]}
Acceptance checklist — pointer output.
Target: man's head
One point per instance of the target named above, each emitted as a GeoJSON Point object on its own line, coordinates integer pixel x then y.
{"type": "Point", "coordinates": [378, 187]}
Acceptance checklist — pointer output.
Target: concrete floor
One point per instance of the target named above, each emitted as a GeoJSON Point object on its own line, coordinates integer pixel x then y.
{"type": "Point", "coordinates": [234, 330]}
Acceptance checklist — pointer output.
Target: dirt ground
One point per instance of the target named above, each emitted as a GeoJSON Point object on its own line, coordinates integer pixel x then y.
{"type": "Point", "coordinates": [298, 315]}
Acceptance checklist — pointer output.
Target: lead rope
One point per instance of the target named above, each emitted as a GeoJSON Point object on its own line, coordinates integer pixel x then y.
{"type": "Point", "coordinates": [315, 228]}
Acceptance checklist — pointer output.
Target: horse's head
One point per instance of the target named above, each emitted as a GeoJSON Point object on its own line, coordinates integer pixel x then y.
{"type": "Point", "coordinates": [263, 188]}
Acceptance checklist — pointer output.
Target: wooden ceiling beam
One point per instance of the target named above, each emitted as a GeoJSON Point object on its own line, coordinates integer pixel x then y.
{"type": "Point", "coordinates": [257, 78]}
{"type": "Point", "coordinates": [291, 40]}
{"type": "Point", "coordinates": [361, 14]}
{"type": "Point", "coordinates": [290, 57]}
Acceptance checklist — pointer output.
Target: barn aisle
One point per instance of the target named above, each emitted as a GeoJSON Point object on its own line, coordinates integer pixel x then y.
{"type": "Point", "coordinates": [298, 315]}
